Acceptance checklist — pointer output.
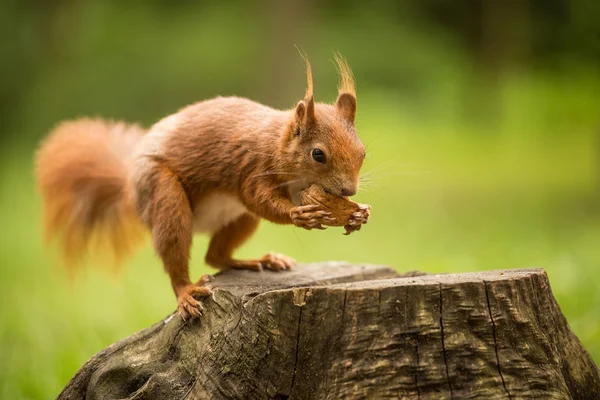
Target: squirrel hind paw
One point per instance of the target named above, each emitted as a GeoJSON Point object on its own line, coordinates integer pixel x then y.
{"type": "Point", "coordinates": [277, 262]}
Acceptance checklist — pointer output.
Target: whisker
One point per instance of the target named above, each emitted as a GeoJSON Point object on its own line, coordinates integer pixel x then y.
{"type": "Point", "coordinates": [387, 164]}
{"type": "Point", "coordinates": [396, 173]}
{"type": "Point", "coordinates": [383, 170]}
{"type": "Point", "coordinates": [369, 186]}
{"type": "Point", "coordinates": [274, 173]}
{"type": "Point", "coordinates": [371, 192]}
{"type": "Point", "coordinates": [289, 182]}
{"type": "Point", "coordinates": [368, 182]}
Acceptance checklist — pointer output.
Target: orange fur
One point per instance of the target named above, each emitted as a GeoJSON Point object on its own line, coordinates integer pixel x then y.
{"type": "Point", "coordinates": [309, 78]}
{"type": "Point", "coordinates": [346, 77]}
{"type": "Point", "coordinates": [82, 174]}
{"type": "Point", "coordinates": [217, 166]}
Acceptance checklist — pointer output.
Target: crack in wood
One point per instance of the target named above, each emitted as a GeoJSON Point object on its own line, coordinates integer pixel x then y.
{"type": "Point", "coordinates": [417, 368]}
{"type": "Point", "coordinates": [172, 349]}
{"type": "Point", "coordinates": [191, 383]}
{"type": "Point", "coordinates": [444, 344]}
{"type": "Point", "coordinates": [489, 307]}
{"type": "Point", "coordinates": [344, 307]}
{"type": "Point", "coordinates": [414, 336]}
{"type": "Point", "coordinates": [297, 349]}
{"type": "Point", "coordinates": [241, 311]}
{"type": "Point", "coordinates": [222, 340]}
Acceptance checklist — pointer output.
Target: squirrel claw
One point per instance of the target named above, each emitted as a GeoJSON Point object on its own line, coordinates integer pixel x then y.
{"type": "Point", "coordinates": [351, 228]}
{"type": "Point", "coordinates": [301, 209]}
{"type": "Point", "coordinates": [358, 219]}
{"type": "Point", "coordinates": [187, 306]}
{"type": "Point", "coordinates": [310, 217]}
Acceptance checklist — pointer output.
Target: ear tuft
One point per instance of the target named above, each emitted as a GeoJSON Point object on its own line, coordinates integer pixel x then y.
{"type": "Point", "coordinates": [346, 105]}
{"type": "Point", "coordinates": [309, 78]}
{"type": "Point", "coordinates": [305, 110]}
{"type": "Point", "coordinates": [346, 76]}
{"type": "Point", "coordinates": [310, 109]}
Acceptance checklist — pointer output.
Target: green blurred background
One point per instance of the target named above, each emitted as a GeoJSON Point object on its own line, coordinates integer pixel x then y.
{"type": "Point", "coordinates": [481, 118]}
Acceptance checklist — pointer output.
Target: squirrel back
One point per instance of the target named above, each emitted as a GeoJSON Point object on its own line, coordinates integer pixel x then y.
{"type": "Point", "coordinates": [82, 172]}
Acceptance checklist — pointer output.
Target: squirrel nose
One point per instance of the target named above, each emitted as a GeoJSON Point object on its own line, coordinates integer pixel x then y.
{"type": "Point", "coordinates": [348, 192]}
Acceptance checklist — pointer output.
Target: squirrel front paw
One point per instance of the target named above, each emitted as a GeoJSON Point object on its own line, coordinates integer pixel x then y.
{"type": "Point", "coordinates": [187, 305]}
{"type": "Point", "coordinates": [358, 219]}
{"type": "Point", "coordinates": [310, 216]}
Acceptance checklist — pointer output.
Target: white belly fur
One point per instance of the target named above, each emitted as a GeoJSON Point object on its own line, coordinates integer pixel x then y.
{"type": "Point", "coordinates": [215, 211]}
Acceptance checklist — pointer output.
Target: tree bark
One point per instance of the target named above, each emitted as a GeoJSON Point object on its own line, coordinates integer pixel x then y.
{"type": "Point", "coordinates": [341, 331]}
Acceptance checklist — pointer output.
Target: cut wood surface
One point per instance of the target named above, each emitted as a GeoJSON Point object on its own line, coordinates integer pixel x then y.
{"type": "Point", "coordinates": [341, 331]}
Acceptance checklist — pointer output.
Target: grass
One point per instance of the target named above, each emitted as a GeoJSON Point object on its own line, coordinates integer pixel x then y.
{"type": "Point", "coordinates": [441, 203]}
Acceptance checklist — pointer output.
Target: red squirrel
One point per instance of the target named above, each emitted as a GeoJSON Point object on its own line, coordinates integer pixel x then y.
{"type": "Point", "coordinates": [218, 166]}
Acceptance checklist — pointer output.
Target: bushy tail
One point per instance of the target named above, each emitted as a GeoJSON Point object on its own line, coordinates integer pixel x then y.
{"type": "Point", "coordinates": [82, 172]}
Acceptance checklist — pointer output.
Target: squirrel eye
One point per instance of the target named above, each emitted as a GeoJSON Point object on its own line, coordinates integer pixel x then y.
{"type": "Point", "coordinates": [318, 155]}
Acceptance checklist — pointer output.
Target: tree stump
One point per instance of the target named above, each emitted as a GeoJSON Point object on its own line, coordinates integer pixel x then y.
{"type": "Point", "coordinates": [341, 331]}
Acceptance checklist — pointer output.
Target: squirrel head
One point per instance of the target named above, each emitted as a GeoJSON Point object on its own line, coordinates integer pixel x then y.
{"type": "Point", "coordinates": [321, 143]}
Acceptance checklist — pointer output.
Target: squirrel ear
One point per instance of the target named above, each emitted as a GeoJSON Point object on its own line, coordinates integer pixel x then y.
{"type": "Point", "coordinates": [300, 112]}
{"type": "Point", "coordinates": [346, 105]}
{"type": "Point", "coordinates": [305, 112]}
